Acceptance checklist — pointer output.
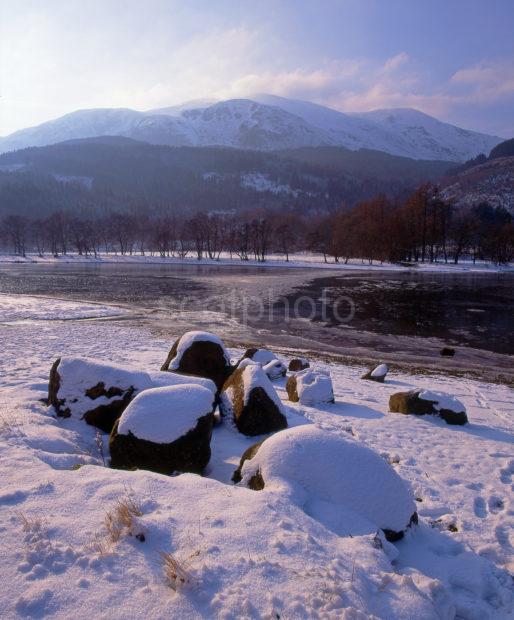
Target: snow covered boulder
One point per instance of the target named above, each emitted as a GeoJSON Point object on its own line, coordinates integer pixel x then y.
{"type": "Point", "coordinates": [200, 354]}
{"type": "Point", "coordinates": [250, 398]}
{"type": "Point", "coordinates": [378, 374]}
{"type": "Point", "coordinates": [166, 430]}
{"type": "Point", "coordinates": [260, 356]}
{"type": "Point", "coordinates": [275, 369]}
{"type": "Point", "coordinates": [98, 393]}
{"type": "Point", "coordinates": [425, 402]}
{"type": "Point", "coordinates": [339, 482]}
{"type": "Point", "coordinates": [298, 363]}
{"type": "Point", "coordinates": [310, 387]}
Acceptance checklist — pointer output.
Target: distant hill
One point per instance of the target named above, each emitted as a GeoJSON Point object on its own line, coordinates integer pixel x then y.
{"type": "Point", "coordinates": [485, 179]}
{"type": "Point", "coordinates": [504, 149]}
{"type": "Point", "coordinates": [119, 173]}
{"type": "Point", "coordinates": [265, 123]}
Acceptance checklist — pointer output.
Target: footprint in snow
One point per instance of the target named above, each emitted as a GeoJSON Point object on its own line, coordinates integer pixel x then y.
{"type": "Point", "coordinates": [480, 507]}
{"type": "Point", "coordinates": [495, 504]}
{"type": "Point", "coordinates": [506, 472]}
{"type": "Point", "coordinates": [502, 536]}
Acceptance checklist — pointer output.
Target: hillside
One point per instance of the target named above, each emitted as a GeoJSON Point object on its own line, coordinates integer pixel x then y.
{"type": "Point", "coordinates": [118, 173]}
{"type": "Point", "coordinates": [488, 180]}
{"type": "Point", "coordinates": [265, 123]}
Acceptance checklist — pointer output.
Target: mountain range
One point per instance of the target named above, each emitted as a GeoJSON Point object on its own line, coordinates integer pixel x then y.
{"type": "Point", "coordinates": [266, 123]}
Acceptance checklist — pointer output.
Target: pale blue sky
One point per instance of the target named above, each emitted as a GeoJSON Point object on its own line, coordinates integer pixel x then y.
{"type": "Point", "coordinates": [453, 59]}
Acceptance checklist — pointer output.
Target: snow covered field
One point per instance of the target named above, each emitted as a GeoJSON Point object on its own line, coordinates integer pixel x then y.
{"type": "Point", "coordinates": [300, 260]}
{"type": "Point", "coordinates": [242, 553]}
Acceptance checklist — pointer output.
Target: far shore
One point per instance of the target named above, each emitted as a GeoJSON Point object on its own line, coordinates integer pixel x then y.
{"type": "Point", "coordinates": [296, 261]}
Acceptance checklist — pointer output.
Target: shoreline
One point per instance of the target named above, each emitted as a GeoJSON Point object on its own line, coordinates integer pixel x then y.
{"type": "Point", "coordinates": [304, 261]}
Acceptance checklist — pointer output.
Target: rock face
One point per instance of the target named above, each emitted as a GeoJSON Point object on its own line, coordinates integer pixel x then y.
{"type": "Point", "coordinates": [165, 430]}
{"type": "Point", "coordinates": [347, 486]}
{"type": "Point", "coordinates": [275, 369]}
{"type": "Point", "coordinates": [297, 364]}
{"type": "Point", "coordinates": [424, 402]}
{"type": "Point", "coordinates": [378, 374]}
{"type": "Point", "coordinates": [310, 387]}
{"type": "Point", "coordinates": [99, 393]}
{"type": "Point", "coordinates": [250, 398]}
{"type": "Point", "coordinates": [200, 354]}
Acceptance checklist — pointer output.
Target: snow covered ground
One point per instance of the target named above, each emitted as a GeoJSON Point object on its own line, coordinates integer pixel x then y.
{"type": "Point", "coordinates": [242, 553]}
{"type": "Point", "coordinates": [299, 260]}
{"type": "Point", "coordinates": [32, 308]}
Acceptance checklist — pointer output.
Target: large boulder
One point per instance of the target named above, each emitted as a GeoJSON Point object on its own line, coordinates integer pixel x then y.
{"type": "Point", "coordinates": [425, 402]}
{"type": "Point", "coordinates": [378, 374]}
{"type": "Point", "coordinates": [166, 430]}
{"type": "Point", "coordinates": [200, 354]}
{"type": "Point", "coordinates": [250, 398]}
{"type": "Point", "coordinates": [298, 363]}
{"type": "Point", "coordinates": [310, 387]}
{"type": "Point", "coordinates": [99, 393]}
{"type": "Point", "coordinates": [342, 483]}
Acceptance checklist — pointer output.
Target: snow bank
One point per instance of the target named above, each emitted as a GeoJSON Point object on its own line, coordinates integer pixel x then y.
{"type": "Point", "coordinates": [164, 414]}
{"type": "Point", "coordinates": [332, 476]}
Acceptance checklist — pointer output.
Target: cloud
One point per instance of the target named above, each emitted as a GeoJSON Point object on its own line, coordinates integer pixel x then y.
{"type": "Point", "coordinates": [487, 81]}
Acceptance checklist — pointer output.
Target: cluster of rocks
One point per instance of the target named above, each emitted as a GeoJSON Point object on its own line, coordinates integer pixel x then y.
{"type": "Point", "coordinates": [163, 420]}
{"type": "Point", "coordinates": [422, 402]}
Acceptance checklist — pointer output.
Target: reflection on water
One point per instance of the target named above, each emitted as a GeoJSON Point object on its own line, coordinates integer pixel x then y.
{"type": "Point", "coordinates": [475, 310]}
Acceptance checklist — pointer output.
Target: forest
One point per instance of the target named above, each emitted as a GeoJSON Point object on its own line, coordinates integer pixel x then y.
{"type": "Point", "coordinates": [423, 227]}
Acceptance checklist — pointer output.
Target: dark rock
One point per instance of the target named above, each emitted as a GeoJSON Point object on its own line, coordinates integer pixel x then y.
{"type": "Point", "coordinates": [297, 364]}
{"type": "Point", "coordinates": [447, 352]}
{"type": "Point", "coordinates": [410, 403]}
{"type": "Point", "coordinates": [257, 411]}
{"type": "Point", "coordinates": [102, 416]}
{"type": "Point", "coordinates": [189, 453]}
{"type": "Point", "coordinates": [248, 454]}
{"type": "Point", "coordinates": [203, 355]}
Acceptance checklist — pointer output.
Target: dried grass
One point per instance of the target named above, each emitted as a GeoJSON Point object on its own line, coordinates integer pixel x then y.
{"type": "Point", "coordinates": [31, 525]}
{"type": "Point", "coordinates": [121, 519]}
{"type": "Point", "coordinates": [176, 574]}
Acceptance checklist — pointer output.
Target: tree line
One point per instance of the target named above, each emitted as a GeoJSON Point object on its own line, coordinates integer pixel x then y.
{"type": "Point", "coordinates": [422, 228]}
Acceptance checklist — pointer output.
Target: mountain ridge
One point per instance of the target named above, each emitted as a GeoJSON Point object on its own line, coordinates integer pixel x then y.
{"type": "Point", "coordinates": [265, 122]}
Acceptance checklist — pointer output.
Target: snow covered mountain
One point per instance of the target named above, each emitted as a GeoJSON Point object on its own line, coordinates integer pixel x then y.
{"type": "Point", "coordinates": [431, 138]}
{"type": "Point", "coordinates": [265, 122]}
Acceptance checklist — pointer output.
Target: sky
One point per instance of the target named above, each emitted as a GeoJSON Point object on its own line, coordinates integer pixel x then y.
{"type": "Point", "coordinates": [453, 59]}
